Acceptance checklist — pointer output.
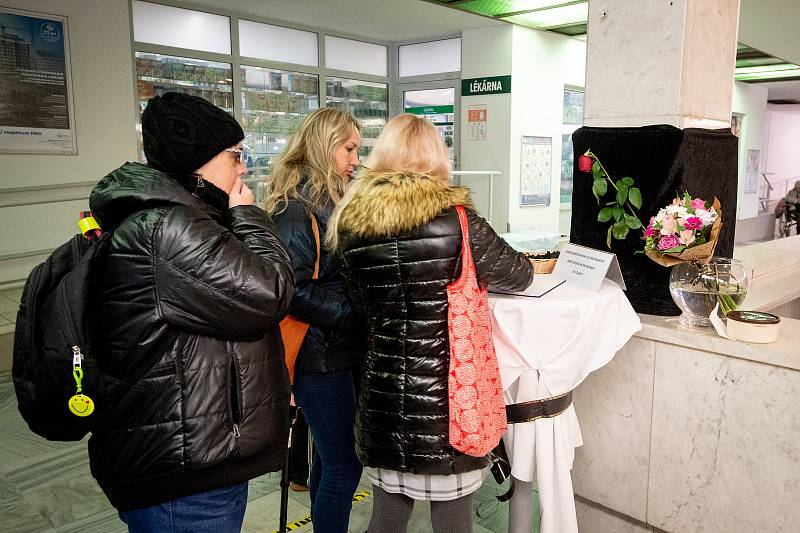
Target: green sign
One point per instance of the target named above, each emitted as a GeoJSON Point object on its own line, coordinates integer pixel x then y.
{"type": "Point", "coordinates": [490, 85]}
{"type": "Point", "coordinates": [430, 110]}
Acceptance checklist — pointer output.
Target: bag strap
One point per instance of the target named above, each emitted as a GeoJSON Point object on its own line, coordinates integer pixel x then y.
{"type": "Point", "coordinates": [466, 251]}
{"type": "Point", "coordinates": [315, 230]}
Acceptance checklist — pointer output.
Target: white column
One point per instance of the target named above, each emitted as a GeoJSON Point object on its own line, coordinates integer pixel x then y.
{"type": "Point", "coordinates": [660, 62]}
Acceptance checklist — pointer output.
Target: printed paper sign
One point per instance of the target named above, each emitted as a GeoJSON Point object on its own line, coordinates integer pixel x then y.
{"type": "Point", "coordinates": [477, 121]}
{"type": "Point", "coordinates": [587, 267]}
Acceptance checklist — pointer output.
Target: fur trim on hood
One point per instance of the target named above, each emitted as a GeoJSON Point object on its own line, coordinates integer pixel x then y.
{"type": "Point", "coordinates": [379, 204]}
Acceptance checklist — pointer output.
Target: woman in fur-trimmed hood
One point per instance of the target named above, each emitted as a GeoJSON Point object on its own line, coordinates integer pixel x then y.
{"type": "Point", "coordinates": [399, 241]}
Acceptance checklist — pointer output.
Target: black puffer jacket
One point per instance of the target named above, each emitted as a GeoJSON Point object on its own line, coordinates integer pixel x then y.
{"type": "Point", "coordinates": [190, 299]}
{"type": "Point", "coordinates": [400, 241]}
{"type": "Point", "coordinates": [335, 338]}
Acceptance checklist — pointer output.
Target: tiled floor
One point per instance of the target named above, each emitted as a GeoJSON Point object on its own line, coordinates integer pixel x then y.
{"type": "Point", "coordinates": [9, 303]}
{"type": "Point", "coordinates": [46, 486]}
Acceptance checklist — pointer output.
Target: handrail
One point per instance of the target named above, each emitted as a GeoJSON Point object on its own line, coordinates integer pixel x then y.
{"type": "Point", "coordinates": [456, 174]}
{"type": "Point", "coordinates": [491, 174]}
{"type": "Point", "coordinates": [475, 172]}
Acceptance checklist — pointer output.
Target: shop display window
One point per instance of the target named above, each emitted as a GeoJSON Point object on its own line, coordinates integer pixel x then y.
{"type": "Point", "coordinates": [367, 101]}
{"type": "Point", "coordinates": [157, 74]}
{"type": "Point", "coordinates": [273, 104]}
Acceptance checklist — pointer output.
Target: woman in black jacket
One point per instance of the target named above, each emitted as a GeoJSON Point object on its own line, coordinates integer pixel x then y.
{"type": "Point", "coordinates": [187, 312]}
{"type": "Point", "coordinates": [399, 238]}
{"type": "Point", "coordinates": [309, 178]}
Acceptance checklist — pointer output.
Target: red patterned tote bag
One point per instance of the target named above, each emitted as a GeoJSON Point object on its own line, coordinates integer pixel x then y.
{"type": "Point", "coordinates": [477, 408]}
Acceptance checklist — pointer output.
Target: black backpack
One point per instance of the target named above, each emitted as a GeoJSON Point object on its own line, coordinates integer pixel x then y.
{"type": "Point", "coordinates": [53, 344]}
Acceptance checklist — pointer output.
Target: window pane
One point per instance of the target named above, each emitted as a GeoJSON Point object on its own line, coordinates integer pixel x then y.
{"type": "Point", "coordinates": [366, 101]}
{"type": "Point", "coordinates": [573, 106]}
{"type": "Point", "coordinates": [184, 28]}
{"type": "Point", "coordinates": [355, 56]}
{"type": "Point", "coordinates": [566, 168]}
{"type": "Point", "coordinates": [273, 104]}
{"type": "Point", "coordinates": [277, 43]}
{"type": "Point", "coordinates": [572, 120]}
{"type": "Point", "coordinates": [430, 58]}
{"type": "Point", "coordinates": [157, 74]}
{"type": "Point", "coordinates": [437, 105]}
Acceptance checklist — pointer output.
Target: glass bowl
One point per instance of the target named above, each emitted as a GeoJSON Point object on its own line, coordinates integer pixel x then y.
{"type": "Point", "coordinates": [697, 288]}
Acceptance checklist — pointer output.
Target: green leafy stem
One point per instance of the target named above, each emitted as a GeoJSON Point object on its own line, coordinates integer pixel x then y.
{"type": "Point", "coordinates": [723, 289]}
{"type": "Point", "coordinates": [627, 198]}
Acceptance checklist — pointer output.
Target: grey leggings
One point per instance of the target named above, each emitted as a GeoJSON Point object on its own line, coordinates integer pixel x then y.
{"type": "Point", "coordinates": [391, 513]}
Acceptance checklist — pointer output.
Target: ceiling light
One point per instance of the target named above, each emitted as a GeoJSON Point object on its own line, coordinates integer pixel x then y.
{"type": "Point", "coordinates": [551, 18]}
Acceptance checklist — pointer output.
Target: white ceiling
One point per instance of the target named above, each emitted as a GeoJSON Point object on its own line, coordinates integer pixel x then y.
{"type": "Point", "coordinates": [772, 27]}
{"type": "Point", "coordinates": [783, 90]}
{"type": "Point", "coordinates": [380, 20]}
{"type": "Point", "coordinates": [767, 25]}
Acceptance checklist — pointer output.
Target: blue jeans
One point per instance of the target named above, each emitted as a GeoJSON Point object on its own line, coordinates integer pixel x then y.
{"type": "Point", "coordinates": [328, 403]}
{"type": "Point", "coordinates": [215, 511]}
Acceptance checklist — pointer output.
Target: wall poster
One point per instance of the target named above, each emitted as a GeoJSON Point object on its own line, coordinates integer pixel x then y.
{"type": "Point", "coordinates": [535, 164]}
{"type": "Point", "coordinates": [736, 124]}
{"type": "Point", "coordinates": [751, 175]}
{"type": "Point", "coordinates": [36, 113]}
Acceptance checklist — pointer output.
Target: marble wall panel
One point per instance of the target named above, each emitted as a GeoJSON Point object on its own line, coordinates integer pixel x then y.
{"type": "Point", "coordinates": [614, 408]}
{"type": "Point", "coordinates": [595, 519]}
{"type": "Point", "coordinates": [725, 444]}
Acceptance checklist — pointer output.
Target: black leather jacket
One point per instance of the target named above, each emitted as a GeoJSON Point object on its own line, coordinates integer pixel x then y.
{"type": "Point", "coordinates": [400, 241]}
{"type": "Point", "coordinates": [189, 303]}
{"type": "Point", "coordinates": [335, 338]}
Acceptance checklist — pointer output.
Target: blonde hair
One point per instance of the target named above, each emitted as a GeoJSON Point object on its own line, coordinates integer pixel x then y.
{"type": "Point", "coordinates": [311, 153]}
{"type": "Point", "coordinates": [407, 143]}
{"type": "Point", "coordinates": [410, 143]}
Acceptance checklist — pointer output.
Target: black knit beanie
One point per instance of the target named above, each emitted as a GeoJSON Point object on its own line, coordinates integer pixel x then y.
{"type": "Point", "coordinates": [181, 133]}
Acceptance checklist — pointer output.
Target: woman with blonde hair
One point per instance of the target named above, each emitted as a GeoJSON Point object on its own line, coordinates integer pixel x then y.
{"type": "Point", "coordinates": [398, 236]}
{"type": "Point", "coordinates": [308, 180]}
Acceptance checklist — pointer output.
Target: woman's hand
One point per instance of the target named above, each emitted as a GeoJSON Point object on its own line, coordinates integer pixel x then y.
{"type": "Point", "coordinates": [240, 194]}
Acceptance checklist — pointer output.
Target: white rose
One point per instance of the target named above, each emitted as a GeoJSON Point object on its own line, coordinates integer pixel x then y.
{"type": "Point", "coordinates": [677, 210]}
{"type": "Point", "coordinates": [707, 217]}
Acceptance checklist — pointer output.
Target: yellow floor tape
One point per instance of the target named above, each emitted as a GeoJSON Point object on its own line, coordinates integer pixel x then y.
{"type": "Point", "coordinates": [357, 497]}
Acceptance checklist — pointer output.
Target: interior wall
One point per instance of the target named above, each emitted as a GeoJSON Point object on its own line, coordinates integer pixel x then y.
{"type": "Point", "coordinates": [783, 156]}
{"type": "Point", "coordinates": [543, 64]}
{"type": "Point", "coordinates": [103, 96]}
{"type": "Point", "coordinates": [487, 52]}
{"type": "Point", "coordinates": [750, 101]}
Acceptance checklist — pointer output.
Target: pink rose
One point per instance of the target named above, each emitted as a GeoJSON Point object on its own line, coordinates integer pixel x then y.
{"type": "Point", "coordinates": [649, 231]}
{"type": "Point", "coordinates": [697, 203]}
{"type": "Point", "coordinates": [667, 242]}
{"type": "Point", "coordinates": [669, 225]}
{"type": "Point", "coordinates": [686, 237]}
{"type": "Point", "coordinates": [693, 222]}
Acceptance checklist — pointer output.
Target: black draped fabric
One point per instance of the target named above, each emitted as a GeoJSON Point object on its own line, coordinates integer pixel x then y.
{"type": "Point", "coordinates": [663, 160]}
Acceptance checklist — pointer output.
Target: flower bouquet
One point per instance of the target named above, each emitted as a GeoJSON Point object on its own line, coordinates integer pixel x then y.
{"type": "Point", "coordinates": [685, 230]}
{"type": "Point", "coordinates": [684, 235]}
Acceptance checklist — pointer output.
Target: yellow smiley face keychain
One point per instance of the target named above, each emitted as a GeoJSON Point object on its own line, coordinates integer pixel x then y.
{"type": "Point", "coordinates": [80, 404]}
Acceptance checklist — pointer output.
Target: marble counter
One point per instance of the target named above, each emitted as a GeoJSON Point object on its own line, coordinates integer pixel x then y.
{"type": "Point", "coordinates": [688, 431]}
{"type": "Point", "coordinates": [773, 268]}
{"type": "Point", "coordinates": [784, 352]}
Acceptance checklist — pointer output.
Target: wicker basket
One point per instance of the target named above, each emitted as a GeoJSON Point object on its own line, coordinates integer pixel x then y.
{"type": "Point", "coordinates": [543, 266]}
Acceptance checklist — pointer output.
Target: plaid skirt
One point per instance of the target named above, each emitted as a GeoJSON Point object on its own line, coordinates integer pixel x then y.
{"type": "Point", "coordinates": [427, 487]}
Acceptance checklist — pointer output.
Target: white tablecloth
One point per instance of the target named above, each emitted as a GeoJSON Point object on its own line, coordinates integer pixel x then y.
{"type": "Point", "coordinates": [545, 347]}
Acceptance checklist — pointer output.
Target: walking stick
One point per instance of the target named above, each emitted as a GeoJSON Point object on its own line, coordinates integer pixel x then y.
{"type": "Point", "coordinates": [287, 464]}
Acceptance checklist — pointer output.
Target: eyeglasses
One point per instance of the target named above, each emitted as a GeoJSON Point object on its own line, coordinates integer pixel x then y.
{"type": "Point", "coordinates": [240, 154]}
